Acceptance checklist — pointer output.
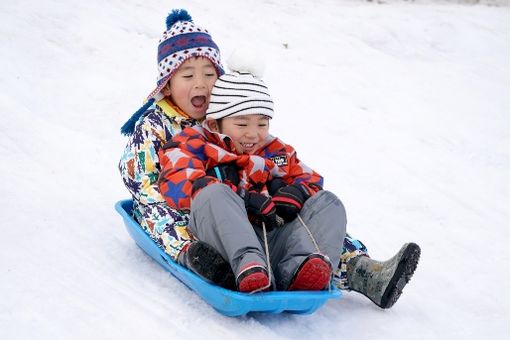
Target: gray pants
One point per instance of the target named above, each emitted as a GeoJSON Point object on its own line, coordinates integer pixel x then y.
{"type": "Point", "coordinates": [218, 217]}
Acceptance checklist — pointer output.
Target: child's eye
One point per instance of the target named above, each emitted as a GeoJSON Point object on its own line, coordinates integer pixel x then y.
{"type": "Point", "coordinates": [187, 76]}
{"type": "Point", "coordinates": [210, 74]}
{"type": "Point", "coordinates": [241, 125]}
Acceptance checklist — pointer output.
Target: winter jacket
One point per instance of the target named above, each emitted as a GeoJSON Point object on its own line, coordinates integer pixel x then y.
{"type": "Point", "coordinates": [196, 149]}
{"type": "Point", "coordinates": [139, 167]}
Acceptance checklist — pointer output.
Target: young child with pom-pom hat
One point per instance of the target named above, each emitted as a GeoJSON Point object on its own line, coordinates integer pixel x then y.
{"type": "Point", "coordinates": [166, 112]}
{"type": "Point", "coordinates": [188, 65]}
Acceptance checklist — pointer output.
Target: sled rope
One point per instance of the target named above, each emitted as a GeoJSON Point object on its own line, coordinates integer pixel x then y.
{"type": "Point", "coordinates": [309, 234]}
{"type": "Point", "coordinates": [268, 260]}
{"type": "Point", "coordinates": [314, 242]}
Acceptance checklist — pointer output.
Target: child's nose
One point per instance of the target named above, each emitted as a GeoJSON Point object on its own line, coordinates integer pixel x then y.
{"type": "Point", "coordinates": [200, 82]}
{"type": "Point", "coordinates": [251, 134]}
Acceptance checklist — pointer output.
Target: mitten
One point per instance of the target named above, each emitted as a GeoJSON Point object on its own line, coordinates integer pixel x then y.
{"type": "Point", "coordinates": [261, 206]}
{"type": "Point", "coordinates": [289, 200]}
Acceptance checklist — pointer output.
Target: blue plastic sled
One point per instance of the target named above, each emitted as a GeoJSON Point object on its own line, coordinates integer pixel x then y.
{"type": "Point", "coordinates": [227, 302]}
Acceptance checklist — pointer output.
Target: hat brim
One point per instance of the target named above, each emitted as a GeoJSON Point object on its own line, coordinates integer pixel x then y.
{"type": "Point", "coordinates": [156, 93]}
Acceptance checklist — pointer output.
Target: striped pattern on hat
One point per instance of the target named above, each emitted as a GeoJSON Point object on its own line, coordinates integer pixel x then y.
{"type": "Point", "coordinates": [237, 94]}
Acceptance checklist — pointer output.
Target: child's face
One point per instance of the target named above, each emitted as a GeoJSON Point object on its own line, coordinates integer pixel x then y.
{"type": "Point", "coordinates": [248, 132]}
{"type": "Point", "coordinates": [190, 86]}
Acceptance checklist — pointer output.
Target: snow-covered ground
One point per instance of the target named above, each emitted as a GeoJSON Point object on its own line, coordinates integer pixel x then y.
{"type": "Point", "coordinates": [403, 107]}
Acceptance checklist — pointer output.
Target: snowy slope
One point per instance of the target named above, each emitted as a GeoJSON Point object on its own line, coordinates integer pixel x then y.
{"type": "Point", "coordinates": [413, 97]}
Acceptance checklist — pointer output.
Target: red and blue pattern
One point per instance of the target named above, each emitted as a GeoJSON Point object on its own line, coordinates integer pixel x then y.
{"type": "Point", "coordinates": [196, 149]}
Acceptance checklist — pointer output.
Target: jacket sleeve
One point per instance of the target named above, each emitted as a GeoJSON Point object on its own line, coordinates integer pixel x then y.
{"type": "Point", "coordinates": [139, 164]}
{"type": "Point", "coordinates": [183, 162]}
{"type": "Point", "coordinates": [300, 173]}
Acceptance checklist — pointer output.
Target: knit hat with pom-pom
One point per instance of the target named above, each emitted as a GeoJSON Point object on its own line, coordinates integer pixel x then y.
{"type": "Point", "coordinates": [241, 92]}
{"type": "Point", "coordinates": [181, 41]}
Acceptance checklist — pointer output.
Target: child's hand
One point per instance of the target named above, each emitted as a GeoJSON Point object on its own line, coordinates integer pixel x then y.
{"type": "Point", "coordinates": [261, 206]}
{"type": "Point", "coordinates": [227, 172]}
{"type": "Point", "coordinates": [289, 200]}
{"type": "Point", "coordinates": [275, 184]}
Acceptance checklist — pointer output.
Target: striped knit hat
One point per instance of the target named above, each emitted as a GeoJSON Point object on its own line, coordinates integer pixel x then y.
{"type": "Point", "coordinates": [181, 41]}
{"type": "Point", "coordinates": [241, 92]}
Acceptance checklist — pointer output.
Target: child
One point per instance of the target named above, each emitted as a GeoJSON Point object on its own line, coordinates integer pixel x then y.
{"type": "Point", "coordinates": [150, 128]}
{"type": "Point", "coordinates": [302, 252]}
{"type": "Point", "coordinates": [167, 112]}
{"type": "Point", "coordinates": [188, 64]}
{"type": "Point", "coordinates": [269, 181]}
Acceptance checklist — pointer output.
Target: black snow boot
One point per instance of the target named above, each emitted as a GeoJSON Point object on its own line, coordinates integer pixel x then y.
{"type": "Point", "coordinates": [383, 282]}
{"type": "Point", "coordinates": [207, 262]}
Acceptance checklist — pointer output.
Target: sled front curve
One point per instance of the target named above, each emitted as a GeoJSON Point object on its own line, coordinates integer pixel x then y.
{"type": "Point", "coordinates": [227, 302]}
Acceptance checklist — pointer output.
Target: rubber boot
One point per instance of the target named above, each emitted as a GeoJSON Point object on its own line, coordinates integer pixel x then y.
{"type": "Point", "coordinates": [383, 282]}
{"type": "Point", "coordinates": [207, 262]}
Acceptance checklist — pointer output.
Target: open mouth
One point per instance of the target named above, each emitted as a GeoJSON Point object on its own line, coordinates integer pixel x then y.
{"type": "Point", "coordinates": [248, 147]}
{"type": "Point", "coordinates": [198, 101]}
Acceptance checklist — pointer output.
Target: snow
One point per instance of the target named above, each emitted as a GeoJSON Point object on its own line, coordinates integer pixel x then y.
{"type": "Point", "coordinates": [402, 106]}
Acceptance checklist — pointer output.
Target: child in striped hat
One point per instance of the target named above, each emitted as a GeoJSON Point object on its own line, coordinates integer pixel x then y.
{"type": "Point", "coordinates": [264, 210]}
{"type": "Point", "coordinates": [188, 65]}
{"type": "Point", "coordinates": [249, 214]}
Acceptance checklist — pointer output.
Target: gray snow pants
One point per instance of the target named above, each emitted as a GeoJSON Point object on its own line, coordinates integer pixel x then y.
{"type": "Point", "coordinates": [218, 217]}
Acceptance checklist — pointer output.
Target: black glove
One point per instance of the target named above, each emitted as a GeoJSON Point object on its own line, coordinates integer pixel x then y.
{"type": "Point", "coordinates": [262, 207]}
{"type": "Point", "coordinates": [225, 172]}
{"type": "Point", "coordinates": [275, 184]}
{"type": "Point", "coordinates": [289, 200]}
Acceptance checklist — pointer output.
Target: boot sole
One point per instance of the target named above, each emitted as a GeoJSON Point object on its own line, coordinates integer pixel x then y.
{"type": "Point", "coordinates": [208, 263]}
{"type": "Point", "coordinates": [253, 282]}
{"type": "Point", "coordinates": [253, 279]}
{"type": "Point", "coordinates": [405, 270]}
{"type": "Point", "coordinates": [314, 274]}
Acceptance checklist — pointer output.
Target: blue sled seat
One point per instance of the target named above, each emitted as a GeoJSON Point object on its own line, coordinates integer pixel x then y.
{"type": "Point", "coordinates": [227, 302]}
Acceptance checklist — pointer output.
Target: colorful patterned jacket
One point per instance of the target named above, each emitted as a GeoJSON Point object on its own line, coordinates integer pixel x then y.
{"type": "Point", "coordinates": [196, 149]}
{"type": "Point", "coordinates": [139, 165]}
{"type": "Point", "coordinates": [139, 168]}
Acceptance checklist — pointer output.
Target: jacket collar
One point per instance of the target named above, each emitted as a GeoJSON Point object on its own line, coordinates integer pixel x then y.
{"type": "Point", "coordinates": [175, 113]}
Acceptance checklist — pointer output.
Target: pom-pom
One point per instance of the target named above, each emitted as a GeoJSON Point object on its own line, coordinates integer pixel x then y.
{"type": "Point", "coordinates": [246, 60]}
{"type": "Point", "coordinates": [177, 15]}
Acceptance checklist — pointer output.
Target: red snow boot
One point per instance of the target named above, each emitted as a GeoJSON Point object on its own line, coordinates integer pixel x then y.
{"type": "Point", "coordinates": [252, 277]}
{"type": "Point", "coordinates": [313, 274]}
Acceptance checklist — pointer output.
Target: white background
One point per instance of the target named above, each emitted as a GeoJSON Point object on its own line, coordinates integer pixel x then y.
{"type": "Point", "coordinates": [403, 107]}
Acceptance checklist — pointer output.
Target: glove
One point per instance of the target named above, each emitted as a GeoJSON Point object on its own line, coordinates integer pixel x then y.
{"type": "Point", "coordinates": [275, 184]}
{"type": "Point", "coordinates": [289, 200]}
{"type": "Point", "coordinates": [262, 207]}
{"type": "Point", "coordinates": [227, 172]}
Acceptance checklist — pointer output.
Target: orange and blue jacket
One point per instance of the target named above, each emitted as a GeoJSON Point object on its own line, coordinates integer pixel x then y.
{"type": "Point", "coordinates": [195, 150]}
